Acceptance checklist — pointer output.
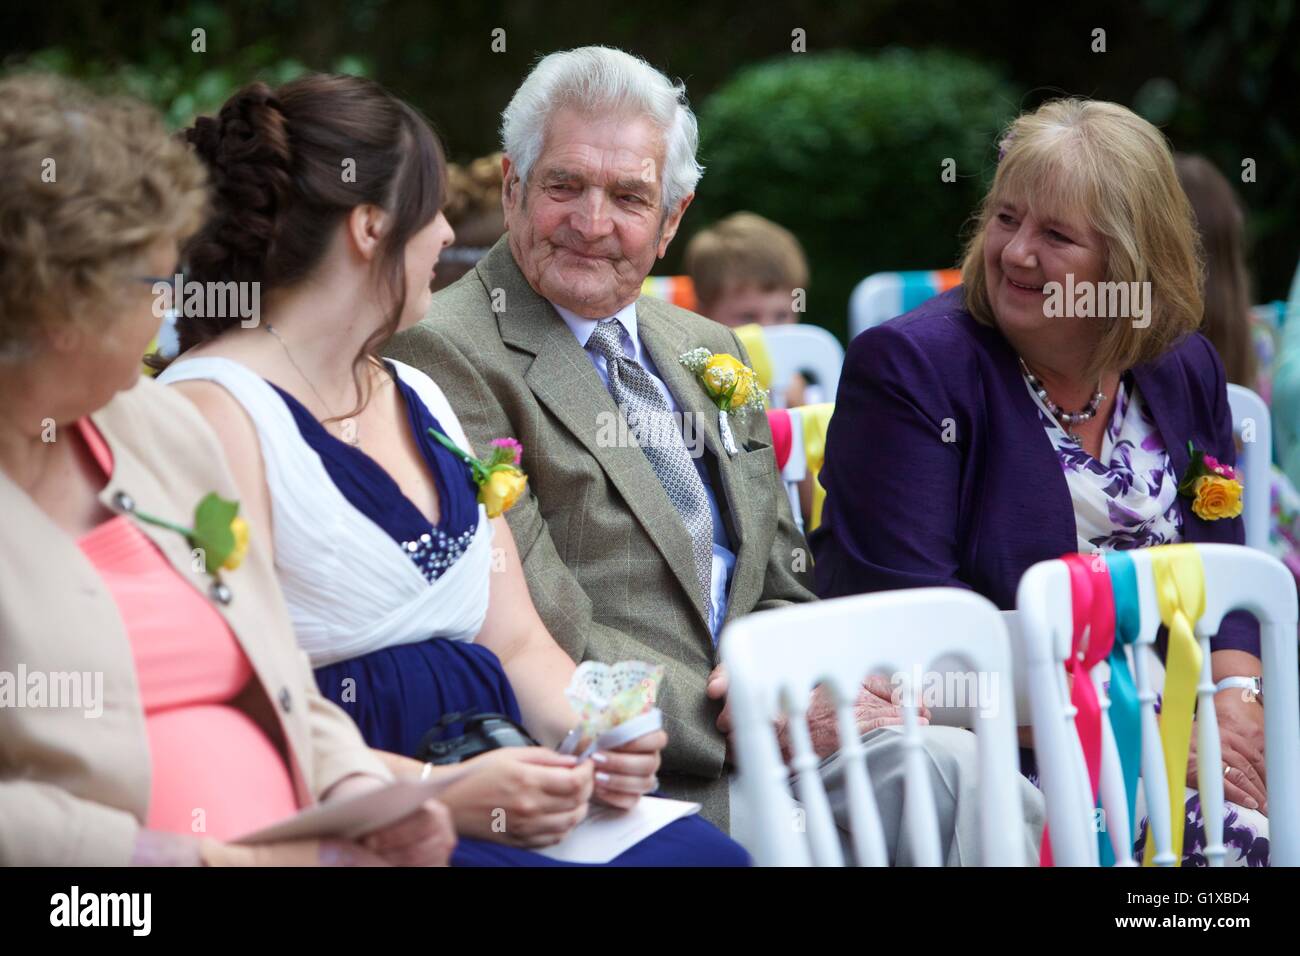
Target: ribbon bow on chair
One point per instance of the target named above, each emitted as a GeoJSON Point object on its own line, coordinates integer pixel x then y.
{"type": "Point", "coordinates": [1180, 593]}
{"type": "Point", "coordinates": [1094, 634]}
{"type": "Point", "coordinates": [1125, 709]}
{"type": "Point", "coordinates": [760, 359]}
{"type": "Point", "coordinates": [816, 419]}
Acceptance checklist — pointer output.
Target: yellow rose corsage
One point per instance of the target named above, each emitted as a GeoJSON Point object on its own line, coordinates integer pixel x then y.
{"type": "Point", "coordinates": [500, 480]}
{"type": "Point", "coordinates": [1215, 489]}
{"type": "Point", "coordinates": [219, 534]}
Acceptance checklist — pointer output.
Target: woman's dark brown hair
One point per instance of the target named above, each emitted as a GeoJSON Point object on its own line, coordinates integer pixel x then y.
{"type": "Point", "coordinates": [1221, 222]}
{"type": "Point", "coordinates": [287, 166]}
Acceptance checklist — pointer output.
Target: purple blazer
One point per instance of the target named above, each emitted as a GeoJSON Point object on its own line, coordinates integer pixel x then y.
{"type": "Point", "coordinates": [938, 471]}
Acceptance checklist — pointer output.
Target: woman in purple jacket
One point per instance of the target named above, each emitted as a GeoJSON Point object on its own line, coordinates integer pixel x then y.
{"type": "Point", "coordinates": [1046, 405]}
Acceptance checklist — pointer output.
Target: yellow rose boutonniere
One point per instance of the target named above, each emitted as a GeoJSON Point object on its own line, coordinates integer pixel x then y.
{"type": "Point", "coordinates": [502, 490]}
{"type": "Point", "coordinates": [1215, 489]}
{"type": "Point", "coordinates": [1217, 498]}
{"type": "Point", "coordinates": [500, 480]}
{"type": "Point", "coordinates": [730, 384]}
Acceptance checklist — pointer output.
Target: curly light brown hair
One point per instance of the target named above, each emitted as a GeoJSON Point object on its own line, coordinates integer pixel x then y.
{"type": "Point", "coordinates": [88, 184]}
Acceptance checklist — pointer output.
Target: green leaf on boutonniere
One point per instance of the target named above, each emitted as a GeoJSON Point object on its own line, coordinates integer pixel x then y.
{"type": "Point", "coordinates": [1195, 471]}
{"type": "Point", "coordinates": [212, 531]}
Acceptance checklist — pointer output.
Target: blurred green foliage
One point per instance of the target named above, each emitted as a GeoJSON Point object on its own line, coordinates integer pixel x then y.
{"type": "Point", "coordinates": [1237, 97]}
{"type": "Point", "coordinates": [1220, 78]}
{"type": "Point", "coordinates": [848, 151]}
{"type": "Point", "coordinates": [184, 86]}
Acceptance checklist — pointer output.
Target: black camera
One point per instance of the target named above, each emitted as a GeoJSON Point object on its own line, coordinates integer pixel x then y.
{"type": "Point", "coordinates": [483, 732]}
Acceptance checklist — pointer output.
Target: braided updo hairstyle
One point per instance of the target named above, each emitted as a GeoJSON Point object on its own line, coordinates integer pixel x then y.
{"type": "Point", "coordinates": [278, 161]}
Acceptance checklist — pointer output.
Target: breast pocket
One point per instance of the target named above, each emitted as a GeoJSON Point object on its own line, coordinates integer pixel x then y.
{"type": "Point", "coordinates": [756, 461]}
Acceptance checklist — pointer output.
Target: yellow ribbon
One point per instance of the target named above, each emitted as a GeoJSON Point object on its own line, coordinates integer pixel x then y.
{"type": "Point", "coordinates": [760, 359]}
{"type": "Point", "coordinates": [815, 419]}
{"type": "Point", "coordinates": [1180, 592]}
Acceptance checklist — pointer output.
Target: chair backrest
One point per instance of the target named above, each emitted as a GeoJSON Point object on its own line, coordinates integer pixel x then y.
{"type": "Point", "coordinates": [1271, 313]}
{"type": "Point", "coordinates": [1235, 578]}
{"type": "Point", "coordinates": [679, 290]}
{"type": "Point", "coordinates": [786, 425]}
{"type": "Point", "coordinates": [1253, 426]}
{"type": "Point", "coordinates": [776, 658]}
{"type": "Point", "coordinates": [803, 349]}
{"type": "Point", "coordinates": [884, 295]}
{"type": "Point", "coordinates": [1044, 642]}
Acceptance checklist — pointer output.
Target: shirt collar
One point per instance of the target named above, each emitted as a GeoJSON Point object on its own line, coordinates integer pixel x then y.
{"type": "Point", "coordinates": [582, 328]}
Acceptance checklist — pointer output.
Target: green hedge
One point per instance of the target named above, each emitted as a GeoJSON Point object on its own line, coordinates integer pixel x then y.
{"type": "Point", "coordinates": [176, 78]}
{"type": "Point", "coordinates": [847, 151]}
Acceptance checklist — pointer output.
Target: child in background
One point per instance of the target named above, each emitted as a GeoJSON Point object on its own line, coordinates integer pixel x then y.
{"type": "Point", "coordinates": [748, 270]}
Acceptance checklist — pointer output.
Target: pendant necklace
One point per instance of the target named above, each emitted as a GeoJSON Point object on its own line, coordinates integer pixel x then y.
{"type": "Point", "coordinates": [355, 438]}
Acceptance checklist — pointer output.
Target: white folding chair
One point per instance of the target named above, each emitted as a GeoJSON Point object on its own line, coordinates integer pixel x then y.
{"type": "Point", "coordinates": [796, 467]}
{"type": "Point", "coordinates": [776, 658]}
{"type": "Point", "coordinates": [1044, 644]}
{"type": "Point", "coordinates": [1253, 427]}
{"type": "Point", "coordinates": [1236, 578]}
{"type": "Point", "coordinates": [804, 349]}
{"type": "Point", "coordinates": [876, 299]}
{"type": "Point", "coordinates": [883, 295]}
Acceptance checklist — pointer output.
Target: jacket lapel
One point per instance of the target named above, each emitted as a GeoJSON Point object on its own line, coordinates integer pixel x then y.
{"type": "Point", "coordinates": [1168, 404]}
{"type": "Point", "coordinates": [141, 483]}
{"type": "Point", "coordinates": [1029, 489]}
{"type": "Point", "coordinates": [563, 380]}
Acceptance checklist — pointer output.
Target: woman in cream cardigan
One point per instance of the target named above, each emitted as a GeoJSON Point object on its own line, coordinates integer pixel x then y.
{"type": "Point", "coordinates": [150, 711]}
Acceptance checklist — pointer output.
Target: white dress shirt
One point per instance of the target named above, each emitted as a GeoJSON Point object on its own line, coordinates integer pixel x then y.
{"type": "Point", "coordinates": [724, 559]}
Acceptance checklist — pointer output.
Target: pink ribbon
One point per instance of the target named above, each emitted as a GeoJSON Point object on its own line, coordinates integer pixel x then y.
{"type": "Point", "coordinates": [1093, 605]}
{"type": "Point", "coordinates": [782, 435]}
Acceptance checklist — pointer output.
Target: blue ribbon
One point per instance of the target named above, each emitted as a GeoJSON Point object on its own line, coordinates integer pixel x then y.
{"type": "Point", "coordinates": [1125, 711]}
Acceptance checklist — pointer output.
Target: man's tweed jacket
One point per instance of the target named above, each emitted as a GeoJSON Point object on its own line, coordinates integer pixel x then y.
{"type": "Point", "coordinates": [607, 558]}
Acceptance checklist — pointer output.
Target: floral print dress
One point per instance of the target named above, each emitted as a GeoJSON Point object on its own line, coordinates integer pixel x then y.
{"type": "Point", "coordinates": [1128, 498]}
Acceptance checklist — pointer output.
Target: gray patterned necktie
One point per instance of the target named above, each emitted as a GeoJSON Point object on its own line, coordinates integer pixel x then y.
{"type": "Point", "coordinates": [650, 419]}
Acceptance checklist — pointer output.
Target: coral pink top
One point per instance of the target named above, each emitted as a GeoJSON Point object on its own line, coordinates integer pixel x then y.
{"type": "Point", "coordinates": [215, 772]}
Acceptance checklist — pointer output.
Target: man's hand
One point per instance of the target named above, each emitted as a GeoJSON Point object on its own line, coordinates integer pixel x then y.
{"type": "Point", "coordinates": [873, 708]}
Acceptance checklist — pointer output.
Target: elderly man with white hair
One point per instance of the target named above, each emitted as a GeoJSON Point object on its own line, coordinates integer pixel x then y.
{"type": "Point", "coordinates": [637, 546]}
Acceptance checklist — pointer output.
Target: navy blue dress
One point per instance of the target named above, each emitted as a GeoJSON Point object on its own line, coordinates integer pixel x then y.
{"type": "Point", "coordinates": [409, 687]}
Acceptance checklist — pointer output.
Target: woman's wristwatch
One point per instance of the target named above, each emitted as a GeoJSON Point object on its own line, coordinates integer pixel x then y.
{"type": "Point", "coordinates": [1252, 684]}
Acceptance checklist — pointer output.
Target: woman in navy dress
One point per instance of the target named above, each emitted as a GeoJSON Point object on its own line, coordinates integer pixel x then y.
{"type": "Point", "coordinates": [409, 601]}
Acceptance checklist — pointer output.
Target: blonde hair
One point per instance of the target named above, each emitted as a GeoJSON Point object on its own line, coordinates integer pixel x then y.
{"type": "Point", "coordinates": [1116, 169]}
{"type": "Point", "coordinates": [87, 185]}
{"type": "Point", "coordinates": [744, 249]}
